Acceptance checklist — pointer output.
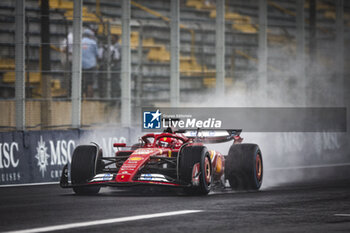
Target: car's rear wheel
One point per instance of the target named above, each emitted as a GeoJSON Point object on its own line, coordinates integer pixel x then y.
{"type": "Point", "coordinates": [196, 169]}
{"type": "Point", "coordinates": [244, 167]}
{"type": "Point", "coordinates": [86, 160]}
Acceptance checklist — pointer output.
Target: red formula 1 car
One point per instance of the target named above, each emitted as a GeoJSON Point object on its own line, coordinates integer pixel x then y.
{"type": "Point", "coordinates": [177, 159]}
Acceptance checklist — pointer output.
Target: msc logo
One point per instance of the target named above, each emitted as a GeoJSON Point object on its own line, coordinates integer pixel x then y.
{"type": "Point", "coordinates": [151, 120]}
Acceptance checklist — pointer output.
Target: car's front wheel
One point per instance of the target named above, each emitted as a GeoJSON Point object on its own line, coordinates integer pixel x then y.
{"type": "Point", "coordinates": [196, 170]}
{"type": "Point", "coordinates": [85, 161]}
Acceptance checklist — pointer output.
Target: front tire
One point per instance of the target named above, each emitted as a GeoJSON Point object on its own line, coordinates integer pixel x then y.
{"type": "Point", "coordinates": [196, 157]}
{"type": "Point", "coordinates": [85, 161]}
{"type": "Point", "coordinates": [244, 167]}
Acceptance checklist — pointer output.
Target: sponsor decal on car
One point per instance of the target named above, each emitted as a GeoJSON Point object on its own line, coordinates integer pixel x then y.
{"type": "Point", "coordinates": [128, 167]}
{"type": "Point", "coordinates": [125, 172]}
{"type": "Point", "coordinates": [107, 176]}
{"type": "Point", "coordinates": [153, 177]}
{"type": "Point", "coordinates": [136, 158]}
{"type": "Point", "coordinates": [102, 177]}
{"type": "Point", "coordinates": [143, 151]}
{"type": "Point", "coordinates": [146, 176]}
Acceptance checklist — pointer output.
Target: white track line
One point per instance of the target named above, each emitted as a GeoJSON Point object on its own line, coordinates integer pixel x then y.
{"type": "Point", "coordinates": [342, 215]}
{"type": "Point", "coordinates": [29, 184]}
{"type": "Point", "coordinates": [105, 221]}
{"type": "Point", "coordinates": [309, 166]}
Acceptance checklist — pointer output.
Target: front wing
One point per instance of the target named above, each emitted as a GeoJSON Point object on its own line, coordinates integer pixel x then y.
{"type": "Point", "coordinates": [109, 179]}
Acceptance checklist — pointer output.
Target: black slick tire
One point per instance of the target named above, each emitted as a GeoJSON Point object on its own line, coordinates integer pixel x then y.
{"type": "Point", "coordinates": [244, 167]}
{"type": "Point", "coordinates": [190, 156]}
{"type": "Point", "coordinates": [83, 167]}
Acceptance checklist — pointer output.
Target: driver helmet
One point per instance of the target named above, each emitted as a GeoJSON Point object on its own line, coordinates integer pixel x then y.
{"type": "Point", "coordinates": [166, 142]}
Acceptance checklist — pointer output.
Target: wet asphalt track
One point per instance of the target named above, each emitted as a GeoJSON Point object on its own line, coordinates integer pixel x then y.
{"type": "Point", "coordinates": [297, 207]}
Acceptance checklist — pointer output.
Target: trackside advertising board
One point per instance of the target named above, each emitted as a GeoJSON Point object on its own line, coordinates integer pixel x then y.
{"type": "Point", "coordinates": [39, 156]}
{"type": "Point", "coordinates": [14, 163]}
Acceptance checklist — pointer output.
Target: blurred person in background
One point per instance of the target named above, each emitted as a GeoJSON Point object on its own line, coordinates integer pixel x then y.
{"type": "Point", "coordinates": [66, 48]}
{"type": "Point", "coordinates": [89, 62]}
{"type": "Point", "coordinates": [115, 65]}
{"type": "Point", "coordinates": [110, 56]}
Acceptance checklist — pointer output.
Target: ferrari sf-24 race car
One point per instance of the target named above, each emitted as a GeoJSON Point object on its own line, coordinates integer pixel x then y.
{"type": "Point", "coordinates": [177, 159]}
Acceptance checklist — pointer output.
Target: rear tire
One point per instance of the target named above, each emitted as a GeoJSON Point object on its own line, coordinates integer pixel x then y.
{"type": "Point", "coordinates": [191, 156]}
{"type": "Point", "coordinates": [244, 167]}
{"type": "Point", "coordinates": [85, 161]}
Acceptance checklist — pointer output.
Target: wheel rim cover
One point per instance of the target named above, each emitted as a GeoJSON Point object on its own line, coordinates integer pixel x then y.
{"type": "Point", "coordinates": [258, 167]}
{"type": "Point", "coordinates": [207, 170]}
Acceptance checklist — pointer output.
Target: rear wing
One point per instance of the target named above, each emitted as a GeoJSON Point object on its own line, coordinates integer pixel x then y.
{"type": "Point", "coordinates": [211, 136]}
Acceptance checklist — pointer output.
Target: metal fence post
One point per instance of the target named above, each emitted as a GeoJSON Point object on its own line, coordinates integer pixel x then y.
{"type": "Point", "coordinates": [220, 47]}
{"type": "Point", "coordinates": [312, 31]}
{"type": "Point", "coordinates": [20, 64]}
{"type": "Point", "coordinates": [175, 53]}
{"type": "Point", "coordinates": [76, 64]}
{"type": "Point", "coordinates": [45, 53]}
{"type": "Point", "coordinates": [262, 50]}
{"type": "Point", "coordinates": [109, 59]}
{"type": "Point", "coordinates": [126, 66]}
{"type": "Point", "coordinates": [340, 50]}
{"type": "Point", "coordinates": [300, 49]}
{"type": "Point", "coordinates": [139, 76]}
{"type": "Point", "coordinates": [312, 68]}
